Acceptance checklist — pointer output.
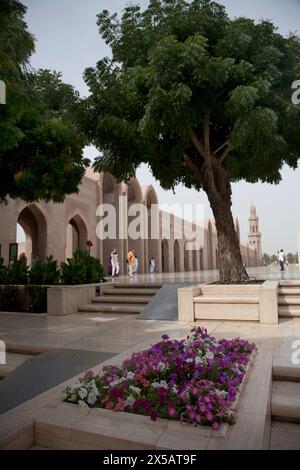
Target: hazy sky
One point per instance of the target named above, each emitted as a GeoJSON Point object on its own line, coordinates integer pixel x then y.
{"type": "Point", "coordinates": [67, 40]}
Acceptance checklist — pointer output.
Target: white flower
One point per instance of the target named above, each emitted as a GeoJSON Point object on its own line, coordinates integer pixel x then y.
{"type": "Point", "coordinates": [130, 375]}
{"type": "Point", "coordinates": [209, 355]}
{"type": "Point", "coordinates": [117, 381]}
{"type": "Point", "coordinates": [95, 390]}
{"type": "Point", "coordinates": [199, 360]}
{"type": "Point", "coordinates": [75, 386]}
{"type": "Point", "coordinates": [92, 398]}
{"type": "Point", "coordinates": [83, 393]}
{"type": "Point", "coordinates": [82, 403]}
{"type": "Point", "coordinates": [161, 384]}
{"type": "Point", "coordinates": [162, 366]}
{"type": "Point", "coordinates": [174, 389]}
{"type": "Point", "coordinates": [189, 359]}
{"type": "Point", "coordinates": [129, 401]}
{"type": "Point", "coordinates": [135, 389]}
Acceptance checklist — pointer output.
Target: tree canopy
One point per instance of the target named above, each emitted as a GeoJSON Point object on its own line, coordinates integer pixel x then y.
{"type": "Point", "coordinates": [40, 137]}
{"type": "Point", "coordinates": [203, 99]}
{"type": "Point", "coordinates": [172, 63]}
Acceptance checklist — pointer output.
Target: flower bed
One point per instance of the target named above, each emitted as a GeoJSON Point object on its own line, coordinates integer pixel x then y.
{"type": "Point", "coordinates": [195, 380]}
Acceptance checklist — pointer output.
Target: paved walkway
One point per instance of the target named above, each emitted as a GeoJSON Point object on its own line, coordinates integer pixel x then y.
{"type": "Point", "coordinates": [40, 373]}
{"type": "Point", "coordinates": [260, 273]}
{"type": "Point", "coordinates": [120, 333]}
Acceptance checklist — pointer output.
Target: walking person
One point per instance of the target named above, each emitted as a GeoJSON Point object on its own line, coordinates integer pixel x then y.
{"type": "Point", "coordinates": [136, 265]}
{"type": "Point", "coordinates": [115, 265]}
{"type": "Point", "coordinates": [281, 259]}
{"type": "Point", "coordinates": [152, 265]}
{"type": "Point", "coordinates": [131, 260]}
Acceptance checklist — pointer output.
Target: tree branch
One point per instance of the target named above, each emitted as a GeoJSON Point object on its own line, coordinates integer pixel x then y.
{"type": "Point", "coordinates": [192, 165]}
{"type": "Point", "coordinates": [198, 144]}
{"type": "Point", "coordinates": [225, 153]}
{"type": "Point", "coordinates": [206, 134]}
{"type": "Point", "coordinates": [220, 148]}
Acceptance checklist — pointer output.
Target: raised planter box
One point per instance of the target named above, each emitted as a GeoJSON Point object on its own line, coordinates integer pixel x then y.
{"type": "Point", "coordinates": [68, 426]}
{"type": "Point", "coordinates": [65, 300]}
{"type": "Point", "coordinates": [241, 302]}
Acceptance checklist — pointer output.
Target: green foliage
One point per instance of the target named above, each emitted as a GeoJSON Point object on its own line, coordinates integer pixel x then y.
{"type": "Point", "coordinates": [37, 302]}
{"type": "Point", "coordinates": [10, 299]}
{"type": "Point", "coordinates": [292, 258]}
{"type": "Point", "coordinates": [44, 272]}
{"type": "Point", "coordinates": [176, 61]}
{"type": "Point", "coordinates": [81, 269]}
{"type": "Point", "coordinates": [18, 272]}
{"type": "Point", "coordinates": [41, 142]}
{"type": "Point", "coordinates": [3, 272]}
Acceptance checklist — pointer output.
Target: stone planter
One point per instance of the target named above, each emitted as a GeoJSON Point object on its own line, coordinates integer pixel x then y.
{"type": "Point", "coordinates": [240, 302]}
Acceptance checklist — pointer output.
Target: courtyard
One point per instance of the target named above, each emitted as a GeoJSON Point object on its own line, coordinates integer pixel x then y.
{"type": "Point", "coordinates": [115, 336]}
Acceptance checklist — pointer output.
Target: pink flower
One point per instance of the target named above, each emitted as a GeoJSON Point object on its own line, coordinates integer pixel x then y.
{"type": "Point", "coordinates": [171, 411]}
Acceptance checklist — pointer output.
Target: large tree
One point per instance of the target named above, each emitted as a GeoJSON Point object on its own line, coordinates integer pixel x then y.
{"type": "Point", "coordinates": [202, 99]}
{"type": "Point", "coordinates": [40, 138]}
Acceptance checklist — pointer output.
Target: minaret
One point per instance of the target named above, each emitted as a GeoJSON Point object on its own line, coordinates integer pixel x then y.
{"type": "Point", "coordinates": [254, 235]}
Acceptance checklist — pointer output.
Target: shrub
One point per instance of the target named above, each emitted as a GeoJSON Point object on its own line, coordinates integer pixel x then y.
{"type": "Point", "coordinates": [44, 272]}
{"type": "Point", "coordinates": [37, 302]}
{"type": "Point", "coordinates": [3, 272]}
{"type": "Point", "coordinates": [18, 272]}
{"type": "Point", "coordinates": [12, 299]}
{"type": "Point", "coordinates": [81, 269]}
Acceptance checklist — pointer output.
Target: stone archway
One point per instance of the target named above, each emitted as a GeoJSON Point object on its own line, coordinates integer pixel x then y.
{"type": "Point", "coordinates": [210, 246]}
{"type": "Point", "coordinates": [176, 257]}
{"type": "Point", "coordinates": [165, 256]}
{"type": "Point", "coordinates": [77, 235]}
{"type": "Point", "coordinates": [152, 244]}
{"type": "Point", "coordinates": [134, 196]}
{"type": "Point", "coordinates": [201, 261]}
{"type": "Point", "coordinates": [194, 260]}
{"type": "Point", "coordinates": [34, 224]}
{"type": "Point", "coordinates": [108, 185]}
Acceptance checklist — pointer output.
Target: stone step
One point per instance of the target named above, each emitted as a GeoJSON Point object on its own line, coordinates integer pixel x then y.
{"type": "Point", "coordinates": [149, 285]}
{"type": "Point", "coordinates": [226, 299]}
{"type": "Point", "coordinates": [117, 308]}
{"type": "Point", "coordinates": [289, 311]}
{"type": "Point", "coordinates": [289, 290]}
{"type": "Point", "coordinates": [290, 283]}
{"type": "Point", "coordinates": [121, 299]}
{"type": "Point", "coordinates": [13, 361]}
{"type": "Point", "coordinates": [130, 291]}
{"type": "Point", "coordinates": [283, 367]}
{"type": "Point", "coordinates": [285, 403]}
{"type": "Point", "coordinates": [29, 349]}
{"type": "Point", "coordinates": [289, 300]}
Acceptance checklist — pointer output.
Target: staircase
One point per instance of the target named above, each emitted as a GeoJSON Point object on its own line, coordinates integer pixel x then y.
{"type": "Point", "coordinates": [289, 299]}
{"type": "Point", "coordinates": [285, 403]}
{"type": "Point", "coordinates": [122, 297]}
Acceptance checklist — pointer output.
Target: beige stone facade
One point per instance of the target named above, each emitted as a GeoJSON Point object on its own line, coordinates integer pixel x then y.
{"type": "Point", "coordinates": [59, 229]}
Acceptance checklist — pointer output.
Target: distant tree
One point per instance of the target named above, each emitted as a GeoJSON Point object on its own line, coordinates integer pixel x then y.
{"type": "Point", "coordinates": [274, 259]}
{"type": "Point", "coordinates": [40, 139]}
{"type": "Point", "coordinates": [202, 99]}
{"type": "Point", "coordinates": [291, 258]}
{"type": "Point", "coordinates": [266, 259]}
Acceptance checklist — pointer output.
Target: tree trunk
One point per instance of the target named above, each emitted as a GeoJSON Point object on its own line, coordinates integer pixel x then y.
{"type": "Point", "coordinates": [216, 183]}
